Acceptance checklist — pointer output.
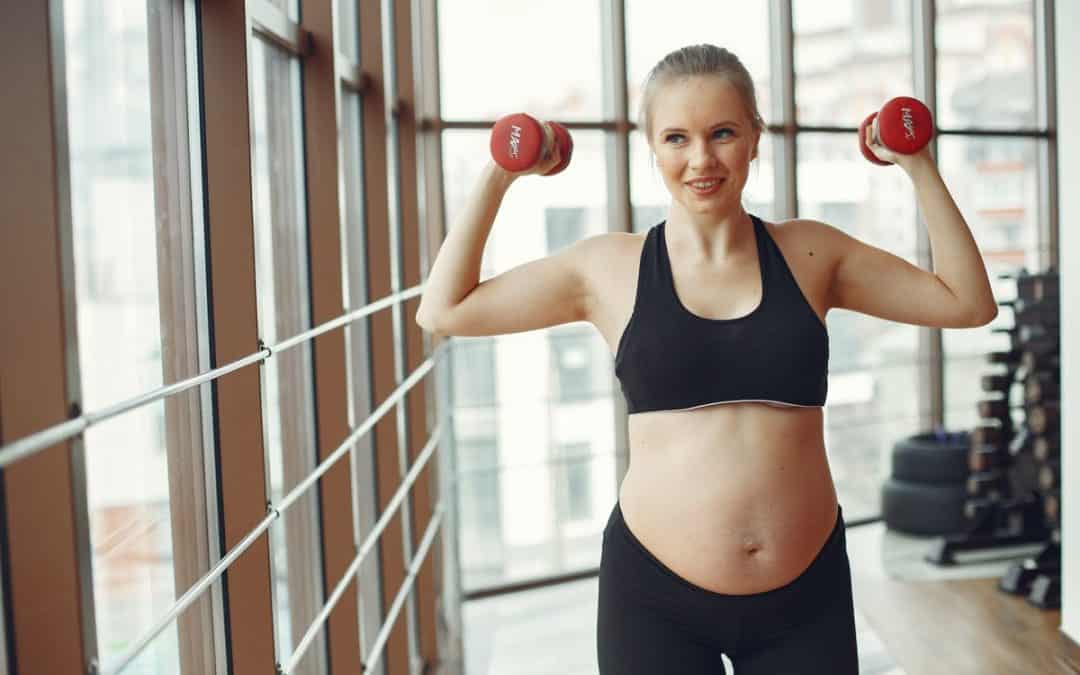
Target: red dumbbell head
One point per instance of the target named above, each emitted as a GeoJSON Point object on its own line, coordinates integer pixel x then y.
{"type": "Point", "coordinates": [516, 142]}
{"type": "Point", "coordinates": [904, 125]}
{"type": "Point", "coordinates": [566, 147]}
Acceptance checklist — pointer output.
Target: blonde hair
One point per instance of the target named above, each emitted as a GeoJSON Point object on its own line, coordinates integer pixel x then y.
{"type": "Point", "coordinates": [703, 59]}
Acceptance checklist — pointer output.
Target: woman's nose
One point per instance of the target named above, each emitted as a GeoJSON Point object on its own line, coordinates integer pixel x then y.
{"type": "Point", "coordinates": [701, 156]}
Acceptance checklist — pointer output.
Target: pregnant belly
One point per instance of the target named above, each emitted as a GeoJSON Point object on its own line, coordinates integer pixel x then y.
{"type": "Point", "coordinates": [730, 529]}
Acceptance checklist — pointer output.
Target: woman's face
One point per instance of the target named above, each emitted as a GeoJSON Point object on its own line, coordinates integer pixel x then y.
{"type": "Point", "coordinates": [703, 140]}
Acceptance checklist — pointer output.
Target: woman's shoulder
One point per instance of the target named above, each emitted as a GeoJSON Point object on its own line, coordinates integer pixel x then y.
{"type": "Point", "coordinates": [808, 235]}
{"type": "Point", "coordinates": [802, 230]}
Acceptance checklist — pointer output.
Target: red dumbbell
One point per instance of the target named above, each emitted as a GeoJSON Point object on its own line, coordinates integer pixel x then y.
{"type": "Point", "coordinates": [904, 126]}
{"type": "Point", "coordinates": [517, 143]}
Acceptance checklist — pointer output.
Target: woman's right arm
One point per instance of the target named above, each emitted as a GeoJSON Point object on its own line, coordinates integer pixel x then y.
{"type": "Point", "coordinates": [456, 269]}
{"type": "Point", "coordinates": [537, 294]}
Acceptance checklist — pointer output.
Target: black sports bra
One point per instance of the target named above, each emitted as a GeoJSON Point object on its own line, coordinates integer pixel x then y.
{"type": "Point", "coordinates": [669, 358]}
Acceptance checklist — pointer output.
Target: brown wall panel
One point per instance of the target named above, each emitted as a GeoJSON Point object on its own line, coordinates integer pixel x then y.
{"type": "Point", "coordinates": [235, 332]}
{"type": "Point", "coordinates": [38, 504]}
{"type": "Point", "coordinates": [331, 388]}
{"type": "Point", "coordinates": [391, 558]}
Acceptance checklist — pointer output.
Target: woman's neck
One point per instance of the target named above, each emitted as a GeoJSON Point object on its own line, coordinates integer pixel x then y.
{"type": "Point", "coordinates": [710, 238]}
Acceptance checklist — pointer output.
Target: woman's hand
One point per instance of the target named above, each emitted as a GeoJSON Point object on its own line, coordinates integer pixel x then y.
{"type": "Point", "coordinates": [905, 162]}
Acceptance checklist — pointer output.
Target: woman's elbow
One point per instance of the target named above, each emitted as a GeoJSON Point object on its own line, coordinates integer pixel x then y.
{"type": "Point", "coordinates": [428, 323]}
{"type": "Point", "coordinates": [984, 316]}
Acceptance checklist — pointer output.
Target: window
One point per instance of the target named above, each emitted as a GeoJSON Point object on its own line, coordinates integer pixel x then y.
{"type": "Point", "coordinates": [561, 83]}
{"type": "Point", "coordinates": [474, 372]}
{"type": "Point", "coordinates": [281, 278]}
{"type": "Point", "coordinates": [575, 481]}
{"type": "Point", "coordinates": [999, 199]}
{"type": "Point", "coordinates": [564, 226]}
{"type": "Point", "coordinates": [876, 13]}
{"type": "Point", "coordinates": [986, 66]}
{"type": "Point", "coordinates": [573, 367]}
{"type": "Point", "coordinates": [119, 324]}
{"type": "Point", "coordinates": [843, 72]}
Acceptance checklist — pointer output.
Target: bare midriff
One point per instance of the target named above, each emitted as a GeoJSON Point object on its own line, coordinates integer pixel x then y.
{"type": "Point", "coordinates": [735, 498]}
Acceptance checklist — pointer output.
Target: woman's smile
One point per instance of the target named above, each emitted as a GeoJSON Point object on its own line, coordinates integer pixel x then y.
{"type": "Point", "coordinates": [703, 187]}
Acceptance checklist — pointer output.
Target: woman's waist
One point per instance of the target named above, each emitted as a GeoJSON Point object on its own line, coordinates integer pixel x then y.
{"type": "Point", "coordinates": [745, 489]}
{"type": "Point", "coordinates": [729, 490]}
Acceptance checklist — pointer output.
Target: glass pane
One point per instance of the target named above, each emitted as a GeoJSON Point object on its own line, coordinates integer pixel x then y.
{"type": "Point", "coordinates": [522, 398]}
{"type": "Point", "coordinates": [533, 518]}
{"type": "Point", "coordinates": [358, 349]}
{"type": "Point", "coordinates": [850, 57]}
{"type": "Point", "coordinates": [348, 33]}
{"type": "Point", "coordinates": [353, 197]}
{"type": "Point", "coordinates": [281, 258]}
{"type": "Point", "coordinates": [290, 7]}
{"type": "Point", "coordinates": [119, 330]}
{"type": "Point", "coordinates": [995, 183]}
{"type": "Point", "coordinates": [473, 383]}
{"type": "Point", "coordinates": [986, 64]}
{"type": "Point", "coordinates": [519, 233]}
{"type": "Point", "coordinates": [872, 362]}
{"type": "Point", "coordinates": [503, 56]}
{"type": "Point", "coordinates": [869, 409]}
{"type": "Point", "coordinates": [654, 29]}
{"type": "Point", "coordinates": [651, 198]}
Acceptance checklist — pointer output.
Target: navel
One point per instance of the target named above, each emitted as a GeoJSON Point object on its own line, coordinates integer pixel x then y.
{"type": "Point", "coordinates": [751, 546]}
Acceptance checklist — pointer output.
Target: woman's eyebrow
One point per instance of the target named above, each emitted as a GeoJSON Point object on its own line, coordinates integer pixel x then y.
{"type": "Point", "coordinates": [725, 123]}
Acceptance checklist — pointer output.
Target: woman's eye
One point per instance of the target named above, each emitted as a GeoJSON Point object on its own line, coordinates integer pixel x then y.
{"type": "Point", "coordinates": [679, 138]}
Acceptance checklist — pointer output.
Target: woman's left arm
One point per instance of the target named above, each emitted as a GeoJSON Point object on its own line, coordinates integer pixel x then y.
{"type": "Point", "coordinates": [956, 258]}
{"type": "Point", "coordinates": [957, 294]}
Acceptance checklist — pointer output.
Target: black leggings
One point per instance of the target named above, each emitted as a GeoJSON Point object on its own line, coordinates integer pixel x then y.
{"type": "Point", "coordinates": [652, 621]}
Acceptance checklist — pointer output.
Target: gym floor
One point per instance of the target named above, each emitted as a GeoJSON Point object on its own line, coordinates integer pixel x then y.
{"type": "Point", "coordinates": [912, 618]}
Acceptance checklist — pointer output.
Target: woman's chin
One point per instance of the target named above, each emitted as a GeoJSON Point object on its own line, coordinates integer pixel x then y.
{"type": "Point", "coordinates": [708, 206]}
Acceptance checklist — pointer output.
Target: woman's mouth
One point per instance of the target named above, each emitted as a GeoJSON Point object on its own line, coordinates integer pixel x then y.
{"type": "Point", "coordinates": [705, 186]}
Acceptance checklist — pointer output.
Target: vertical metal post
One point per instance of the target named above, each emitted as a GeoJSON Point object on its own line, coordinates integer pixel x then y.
{"type": "Point", "coordinates": [782, 96]}
{"type": "Point", "coordinates": [620, 203]}
{"type": "Point", "coordinates": [930, 349]}
{"type": "Point", "coordinates": [1046, 118]}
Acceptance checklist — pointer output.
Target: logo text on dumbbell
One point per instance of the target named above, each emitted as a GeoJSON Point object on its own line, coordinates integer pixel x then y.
{"type": "Point", "coordinates": [909, 123]}
{"type": "Point", "coordinates": [515, 140]}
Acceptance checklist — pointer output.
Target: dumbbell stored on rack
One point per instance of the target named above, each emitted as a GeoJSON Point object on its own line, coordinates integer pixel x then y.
{"type": "Point", "coordinates": [904, 125]}
{"type": "Point", "coordinates": [1046, 447]}
{"type": "Point", "coordinates": [1036, 287]}
{"type": "Point", "coordinates": [1042, 386]}
{"type": "Point", "coordinates": [1044, 417]}
{"type": "Point", "coordinates": [987, 457]}
{"type": "Point", "coordinates": [518, 142]}
{"type": "Point", "coordinates": [990, 484]}
{"type": "Point", "coordinates": [987, 434]}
